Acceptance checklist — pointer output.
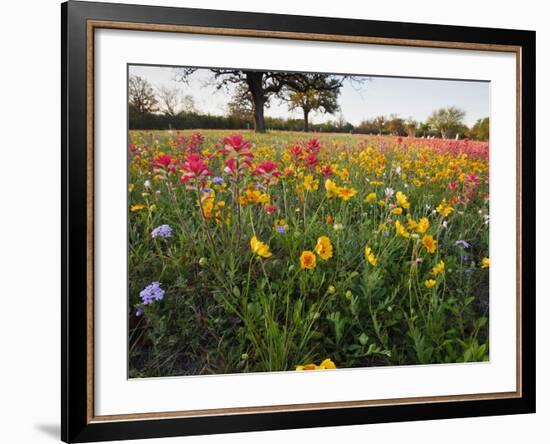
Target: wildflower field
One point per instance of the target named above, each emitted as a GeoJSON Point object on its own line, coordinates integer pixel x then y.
{"type": "Point", "coordinates": [285, 251]}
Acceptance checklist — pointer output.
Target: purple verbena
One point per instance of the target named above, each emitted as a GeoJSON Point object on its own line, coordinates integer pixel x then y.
{"type": "Point", "coordinates": [151, 293]}
{"type": "Point", "coordinates": [462, 243]}
{"type": "Point", "coordinates": [163, 231]}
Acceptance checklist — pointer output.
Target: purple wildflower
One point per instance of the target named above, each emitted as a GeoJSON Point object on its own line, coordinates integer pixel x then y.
{"type": "Point", "coordinates": [151, 293]}
{"type": "Point", "coordinates": [139, 312]}
{"type": "Point", "coordinates": [162, 231]}
{"type": "Point", "coordinates": [281, 229]}
{"type": "Point", "coordinates": [462, 243]}
{"type": "Point", "coordinates": [217, 180]}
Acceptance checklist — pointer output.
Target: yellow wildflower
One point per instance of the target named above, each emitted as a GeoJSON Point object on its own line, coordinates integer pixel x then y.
{"type": "Point", "coordinates": [346, 193]}
{"type": "Point", "coordinates": [331, 188]}
{"type": "Point", "coordinates": [430, 283]}
{"type": "Point", "coordinates": [324, 248]}
{"type": "Point", "coordinates": [308, 261]}
{"type": "Point", "coordinates": [327, 364]}
{"type": "Point", "coordinates": [137, 207]}
{"type": "Point", "coordinates": [402, 200]}
{"type": "Point", "coordinates": [260, 248]}
{"type": "Point", "coordinates": [397, 211]}
{"type": "Point", "coordinates": [311, 184]}
{"type": "Point", "coordinates": [411, 223]}
{"type": "Point", "coordinates": [439, 268]}
{"type": "Point", "coordinates": [369, 255]}
{"type": "Point", "coordinates": [430, 243]}
{"type": "Point", "coordinates": [485, 262]}
{"type": "Point", "coordinates": [401, 230]}
{"type": "Point", "coordinates": [371, 197]}
{"type": "Point", "coordinates": [423, 225]}
{"type": "Point", "coordinates": [444, 208]}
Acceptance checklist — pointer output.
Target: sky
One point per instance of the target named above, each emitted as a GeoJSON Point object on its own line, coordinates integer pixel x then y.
{"type": "Point", "coordinates": [406, 97]}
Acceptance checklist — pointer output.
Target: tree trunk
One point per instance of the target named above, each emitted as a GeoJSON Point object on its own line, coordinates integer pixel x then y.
{"type": "Point", "coordinates": [306, 120]}
{"type": "Point", "coordinates": [254, 81]}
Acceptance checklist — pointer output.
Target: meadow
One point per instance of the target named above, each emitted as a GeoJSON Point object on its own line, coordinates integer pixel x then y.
{"type": "Point", "coordinates": [292, 251]}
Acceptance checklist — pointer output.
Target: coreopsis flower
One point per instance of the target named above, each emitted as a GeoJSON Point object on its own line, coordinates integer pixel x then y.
{"type": "Point", "coordinates": [308, 260]}
{"type": "Point", "coordinates": [439, 268]}
{"type": "Point", "coordinates": [397, 211]}
{"type": "Point", "coordinates": [430, 283]}
{"type": "Point", "coordinates": [324, 248]}
{"type": "Point", "coordinates": [259, 248]}
{"type": "Point", "coordinates": [331, 188]}
{"type": "Point", "coordinates": [444, 208]}
{"type": "Point", "coordinates": [327, 364]}
{"type": "Point", "coordinates": [151, 293]}
{"type": "Point", "coordinates": [423, 225]}
{"type": "Point", "coordinates": [430, 243]}
{"type": "Point", "coordinates": [402, 200]}
{"type": "Point", "coordinates": [310, 184]}
{"type": "Point", "coordinates": [371, 197]}
{"type": "Point", "coordinates": [485, 262]}
{"type": "Point", "coordinates": [163, 231]}
{"type": "Point", "coordinates": [137, 207]}
{"type": "Point", "coordinates": [401, 230]}
{"type": "Point", "coordinates": [254, 196]}
{"type": "Point", "coordinates": [411, 223]}
{"type": "Point", "coordinates": [346, 193]}
{"type": "Point", "coordinates": [369, 255]}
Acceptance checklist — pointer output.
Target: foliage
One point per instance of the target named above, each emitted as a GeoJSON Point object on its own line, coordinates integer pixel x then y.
{"type": "Point", "coordinates": [447, 121]}
{"type": "Point", "coordinates": [480, 130]}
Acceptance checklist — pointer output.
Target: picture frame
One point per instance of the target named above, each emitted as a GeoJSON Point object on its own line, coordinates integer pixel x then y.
{"type": "Point", "coordinates": [80, 21]}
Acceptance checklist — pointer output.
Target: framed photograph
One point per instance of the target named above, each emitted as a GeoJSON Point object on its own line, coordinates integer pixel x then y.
{"type": "Point", "coordinates": [276, 221]}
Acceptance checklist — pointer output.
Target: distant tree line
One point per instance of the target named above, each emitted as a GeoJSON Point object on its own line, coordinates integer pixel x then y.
{"type": "Point", "coordinates": [167, 108]}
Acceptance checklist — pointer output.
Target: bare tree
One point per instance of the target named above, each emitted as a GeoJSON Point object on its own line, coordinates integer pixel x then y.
{"type": "Point", "coordinates": [188, 104]}
{"type": "Point", "coordinates": [170, 100]}
{"type": "Point", "coordinates": [141, 96]}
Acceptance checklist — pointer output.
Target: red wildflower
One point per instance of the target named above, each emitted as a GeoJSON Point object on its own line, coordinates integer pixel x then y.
{"type": "Point", "coordinates": [311, 160]}
{"type": "Point", "coordinates": [270, 209]}
{"type": "Point", "coordinates": [236, 145]}
{"type": "Point", "coordinates": [194, 167]}
{"type": "Point", "coordinates": [162, 161]}
{"type": "Point", "coordinates": [268, 168]}
{"type": "Point", "coordinates": [313, 146]}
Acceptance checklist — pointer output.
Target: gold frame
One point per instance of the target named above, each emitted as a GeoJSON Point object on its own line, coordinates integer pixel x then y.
{"type": "Point", "coordinates": [92, 25]}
